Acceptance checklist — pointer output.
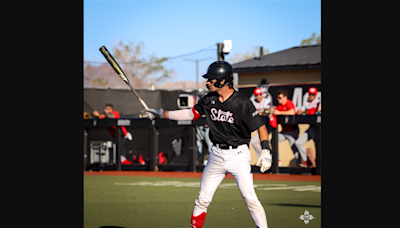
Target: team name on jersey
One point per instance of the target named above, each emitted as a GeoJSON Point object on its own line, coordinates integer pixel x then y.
{"type": "Point", "coordinates": [222, 116]}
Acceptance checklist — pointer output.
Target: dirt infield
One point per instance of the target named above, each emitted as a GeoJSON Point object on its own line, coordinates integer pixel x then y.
{"type": "Point", "coordinates": [256, 176]}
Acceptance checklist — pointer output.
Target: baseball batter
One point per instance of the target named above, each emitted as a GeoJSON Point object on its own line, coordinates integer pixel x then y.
{"type": "Point", "coordinates": [231, 118]}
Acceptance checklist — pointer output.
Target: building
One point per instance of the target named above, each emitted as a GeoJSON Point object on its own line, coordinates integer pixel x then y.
{"type": "Point", "coordinates": [296, 65]}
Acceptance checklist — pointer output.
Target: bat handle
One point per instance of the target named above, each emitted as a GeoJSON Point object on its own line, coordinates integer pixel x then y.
{"type": "Point", "coordinates": [137, 95]}
{"type": "Point", "coordinates": [144, 104]}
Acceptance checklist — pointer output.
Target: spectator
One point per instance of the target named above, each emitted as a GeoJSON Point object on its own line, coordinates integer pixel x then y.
{"type": "Point", "coordinates": [262, 106]}
{"type": "Point", "coordinates": [309, 108]}
{"type": "Point", "coordinates": [289, 131]}
{"type": "Point", "coordinates": [109, 112]}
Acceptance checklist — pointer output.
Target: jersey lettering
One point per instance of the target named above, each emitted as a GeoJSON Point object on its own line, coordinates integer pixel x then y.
{"type": "Point", "coordinates": [230, 122]}
{"type": "Point", "coordinates": [222, 116]}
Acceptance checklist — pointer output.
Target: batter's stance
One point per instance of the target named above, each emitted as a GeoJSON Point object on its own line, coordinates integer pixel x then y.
{"type": "Point", "coordinates": [231, 118]}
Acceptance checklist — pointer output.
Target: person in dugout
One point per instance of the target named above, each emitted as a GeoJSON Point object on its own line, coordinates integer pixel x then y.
{"type": "Point", "coordinates": [309, 108]}
{"type": "Point", "coordinates": [109, 112]}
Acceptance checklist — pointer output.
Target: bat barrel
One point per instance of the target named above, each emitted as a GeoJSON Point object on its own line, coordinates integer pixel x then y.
{"type": "Point", "coordinates": [119, 71]}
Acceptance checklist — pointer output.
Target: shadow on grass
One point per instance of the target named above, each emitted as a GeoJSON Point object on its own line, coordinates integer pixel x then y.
{"type": "Point", "coordinates": [294, 205]}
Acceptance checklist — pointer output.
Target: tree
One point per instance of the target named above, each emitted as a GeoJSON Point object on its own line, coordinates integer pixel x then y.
{"type": "Point", "coordinates": [312, 40]}
{"type": "Point", "coordinates": [253, 53]}
{"type": "Point", "coordinates": [141, 71]}
{"type": "Point", "coordinates": [100, 82]}
{"type": "Point", "coordinates": [97, 75]}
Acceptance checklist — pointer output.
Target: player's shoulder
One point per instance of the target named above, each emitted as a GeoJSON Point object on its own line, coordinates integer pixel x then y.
{"type": "Point", "coordinates": [240, 96]}
{"type": "Point", "coordinates": [289, 102]}
{"type": "Point", "coordinates": [313, 103]}
{"type": "Point", "coordinates": [116, 113]}
{"type": "Point", "coordinates": [210, 96]}
{"type": "Point", "coordinates": [266, 100]}
{"type": "Point", "coordinates": [206, 100]}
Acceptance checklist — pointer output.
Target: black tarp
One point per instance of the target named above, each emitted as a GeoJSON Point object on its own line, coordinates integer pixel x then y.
{"type": "Point", "coordinates": [125, 101]}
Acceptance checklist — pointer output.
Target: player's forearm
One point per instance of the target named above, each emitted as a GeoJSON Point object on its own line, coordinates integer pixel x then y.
{"type": "Point", "coordinates": [263, 133]}
{"type": "Point", "coordinates": [300, 111]}
{"type": "Point", "coordinates": [319, 107]}
{"type": "Point", "coordinates": [288, 112]}
{"type": "Point", "coordinates": [166, 114]}
{"type": "Point", "coordinates": [185, 114]}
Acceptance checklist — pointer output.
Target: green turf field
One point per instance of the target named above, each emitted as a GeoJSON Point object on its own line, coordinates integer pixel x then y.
{"type": "Point", "coordinates": [112, 201]}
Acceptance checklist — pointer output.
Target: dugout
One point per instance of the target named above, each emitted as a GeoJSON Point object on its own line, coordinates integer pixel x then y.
{"type": "Point", "coordinates": [158, 134]}
{"type": "Point", "coordinates": [295, 69]}
{"type": "Point", "coordinates": [142, 130]}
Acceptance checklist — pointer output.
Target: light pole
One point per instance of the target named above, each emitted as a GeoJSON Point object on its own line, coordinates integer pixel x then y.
{"type": "Point", "coordinates": [197, 67]}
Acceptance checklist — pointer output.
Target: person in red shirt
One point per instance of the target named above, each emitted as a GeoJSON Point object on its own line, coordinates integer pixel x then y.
{"type": "Point", "coordinates": [289, 131]}
{"type": "Point", "coordinates": [110, 113]}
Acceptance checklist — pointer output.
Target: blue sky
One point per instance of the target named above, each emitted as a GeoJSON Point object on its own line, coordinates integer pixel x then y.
{"type": "Point", "coordinates": [173, 28]}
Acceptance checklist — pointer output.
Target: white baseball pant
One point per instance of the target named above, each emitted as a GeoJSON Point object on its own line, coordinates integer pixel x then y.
{"type": "Point", "coordinates": [292, 136]}
{"type": "Point", "coordinates": [309, 134]}
{"type": "Point", "coordinates": [237, 163]}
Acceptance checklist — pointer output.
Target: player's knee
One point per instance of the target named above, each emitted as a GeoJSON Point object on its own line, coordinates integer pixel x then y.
{"type": "Point", "coordinates": [298, 144]}
{"type": "Point", "coordinates": [202, 204]}
{"type": "Point", "coordinates": [251, 200]}
{"type": "Point", "coordinates": [252, 203]}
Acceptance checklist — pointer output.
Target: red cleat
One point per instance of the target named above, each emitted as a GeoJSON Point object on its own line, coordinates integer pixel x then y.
{"type": "Point", "coordinates": [197, 221]}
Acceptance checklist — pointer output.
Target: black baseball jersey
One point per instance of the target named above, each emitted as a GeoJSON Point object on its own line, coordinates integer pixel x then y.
{"type": "Point", "coordinates": [232, 121]}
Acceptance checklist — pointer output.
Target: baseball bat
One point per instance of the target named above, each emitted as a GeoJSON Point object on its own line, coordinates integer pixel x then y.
{"type": "Point", "coordinates": [119, 71]}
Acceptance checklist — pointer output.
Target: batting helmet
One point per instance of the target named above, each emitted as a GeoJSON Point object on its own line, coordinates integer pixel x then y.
{"type": "Point", "coordinates": [312, 90]}
{"type": "Point", "coordinates": [257, 91]}
{"type": "Point", "coordinates": [220, 70]}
